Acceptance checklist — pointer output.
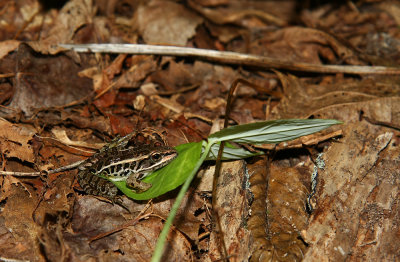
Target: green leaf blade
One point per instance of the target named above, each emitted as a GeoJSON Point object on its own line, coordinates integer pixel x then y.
{"type": "Point", "coordinates": [271, 132]}
{"type": "Point", "coordinates": [231, 152]}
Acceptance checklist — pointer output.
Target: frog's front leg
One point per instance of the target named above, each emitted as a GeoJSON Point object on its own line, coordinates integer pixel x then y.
{"type": "Point", "coordinates": [134, 183]}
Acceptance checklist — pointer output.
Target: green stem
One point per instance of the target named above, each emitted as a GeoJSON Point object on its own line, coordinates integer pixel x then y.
{"type": "Point", "coordinates": [163, 236]}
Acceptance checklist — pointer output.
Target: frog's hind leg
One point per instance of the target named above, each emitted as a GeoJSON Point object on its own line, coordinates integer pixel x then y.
{"type": "Point", "coordinates": [98, 186]}
{"type": "Point", "coordinates": [101, 188]}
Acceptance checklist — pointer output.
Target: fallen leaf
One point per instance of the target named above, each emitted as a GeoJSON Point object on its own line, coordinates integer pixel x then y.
{"type": "Point", "coordinates": [357, 204]}
{"type": "Point", "coordinates": [15, 141]}
{"type": "Point", "coordinates": [38, 85]}
{"type": "Point", "coordinates": [165, 22]}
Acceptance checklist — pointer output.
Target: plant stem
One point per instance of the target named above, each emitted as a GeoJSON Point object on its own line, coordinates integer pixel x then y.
{"type": "Point", "coordinates": [163, 235]}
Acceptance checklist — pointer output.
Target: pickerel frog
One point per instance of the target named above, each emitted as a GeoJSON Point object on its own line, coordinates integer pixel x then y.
{"type": "Point", "coordinates": [130, 158]}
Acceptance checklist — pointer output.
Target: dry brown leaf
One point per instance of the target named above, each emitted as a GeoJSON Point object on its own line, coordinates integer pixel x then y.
{"type": "Point", "coordinates": [15, 141]}
{"type": "Point", "coordinates": [232, 207]}
{"type": "Point", "coordinates": [21, 236]}
{"type": "Point", "coordinates": [342, 101]}
{"type": "Point", "coordinates": [92, 217]}
{"type": "Point", "coordinates": [356, 199]}
{"type": "Point", "coordinates": [62, 136]}
{"type": "Point", "coordinates": [142, 239]}
{"type": "Point", "coordinates": [237, 12]}
{"type": "Point", "coordinates": [7, 47]}
{"type": "Point", "coordinates": [38, 85]}
{"type": "Point", "coordinates": [73, 16]}
{"type": "Point", "coordinates": [303, 45]}
{"type": "Point", "coordinates": [352, 23]}
{"type": "Point", "coordinates": [177, 74]}
{"type": "Point", "coordinates": [7, 189]}
{"type": "Point", "coordinates": [165, 22]}
{"type": "Point", "coordinates": [141, 67]}
{"type": "Point", "coordinates": [383, 49]}
{"type": "Point", "coordinates": [225, 33]}
{"type": "Point", "coordinates": [393, 8]}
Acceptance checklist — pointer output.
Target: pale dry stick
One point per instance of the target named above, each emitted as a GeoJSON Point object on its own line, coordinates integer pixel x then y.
{"type": "Point", "coordinates": [7, 75]}
{"type": "Point", "coordinates": [12, 260]}
{"type": "Point", "coordinates": [39, 173]}
{"type": "Point", "coordinates": [230, 58]}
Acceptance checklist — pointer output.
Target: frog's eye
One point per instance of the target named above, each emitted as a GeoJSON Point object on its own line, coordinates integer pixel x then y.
{"type": "Point", "coordinates": [156, 157]}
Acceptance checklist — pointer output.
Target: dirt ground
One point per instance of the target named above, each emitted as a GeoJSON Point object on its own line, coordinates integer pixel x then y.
{"type": "Point", "coordinates": [330, 196]}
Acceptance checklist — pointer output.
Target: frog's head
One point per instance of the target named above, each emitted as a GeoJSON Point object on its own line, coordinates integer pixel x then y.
{"type": "Point", "coordinates": [140, 160]}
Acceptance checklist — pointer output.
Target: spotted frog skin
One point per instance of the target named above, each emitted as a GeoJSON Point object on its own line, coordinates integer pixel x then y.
{"type": "Point", "coordinates": [130, 158]}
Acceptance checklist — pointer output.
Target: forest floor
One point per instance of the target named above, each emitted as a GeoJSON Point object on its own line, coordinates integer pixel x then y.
{"type": "Point", "coordinates": [330, 196]}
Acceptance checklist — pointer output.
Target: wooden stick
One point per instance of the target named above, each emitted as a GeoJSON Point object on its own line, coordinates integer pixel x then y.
{"type": "Point", "coordinates": [230, 58]}
{"type": "Point", "coordinates": [38, 173]}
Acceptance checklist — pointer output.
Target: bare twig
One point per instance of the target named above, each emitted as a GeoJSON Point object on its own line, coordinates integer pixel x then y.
{"type": "Point", "coordinates": [34, 174]}
{"type": "Point", "coordinates": [231, 58]}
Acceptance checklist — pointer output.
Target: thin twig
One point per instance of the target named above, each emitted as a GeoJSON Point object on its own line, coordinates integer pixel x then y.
{"type": "Point", "coordinates": [39, 173]}
{"type": "Point", "coordinates": [228, 57]}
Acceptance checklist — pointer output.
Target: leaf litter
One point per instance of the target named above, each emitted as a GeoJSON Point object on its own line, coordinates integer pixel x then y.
{"type": "Point", "coordinates": [53, 99]}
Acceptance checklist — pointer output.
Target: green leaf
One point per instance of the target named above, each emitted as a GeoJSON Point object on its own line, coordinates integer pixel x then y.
{"type": "Point", "coordinates": [168, 177]}
{"type": "Point", "coordinates": [158, 251]}
{"type": "Point", "coordinates": [231, 152]}
{"type": "Point", "coordinates": [270, 132]}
